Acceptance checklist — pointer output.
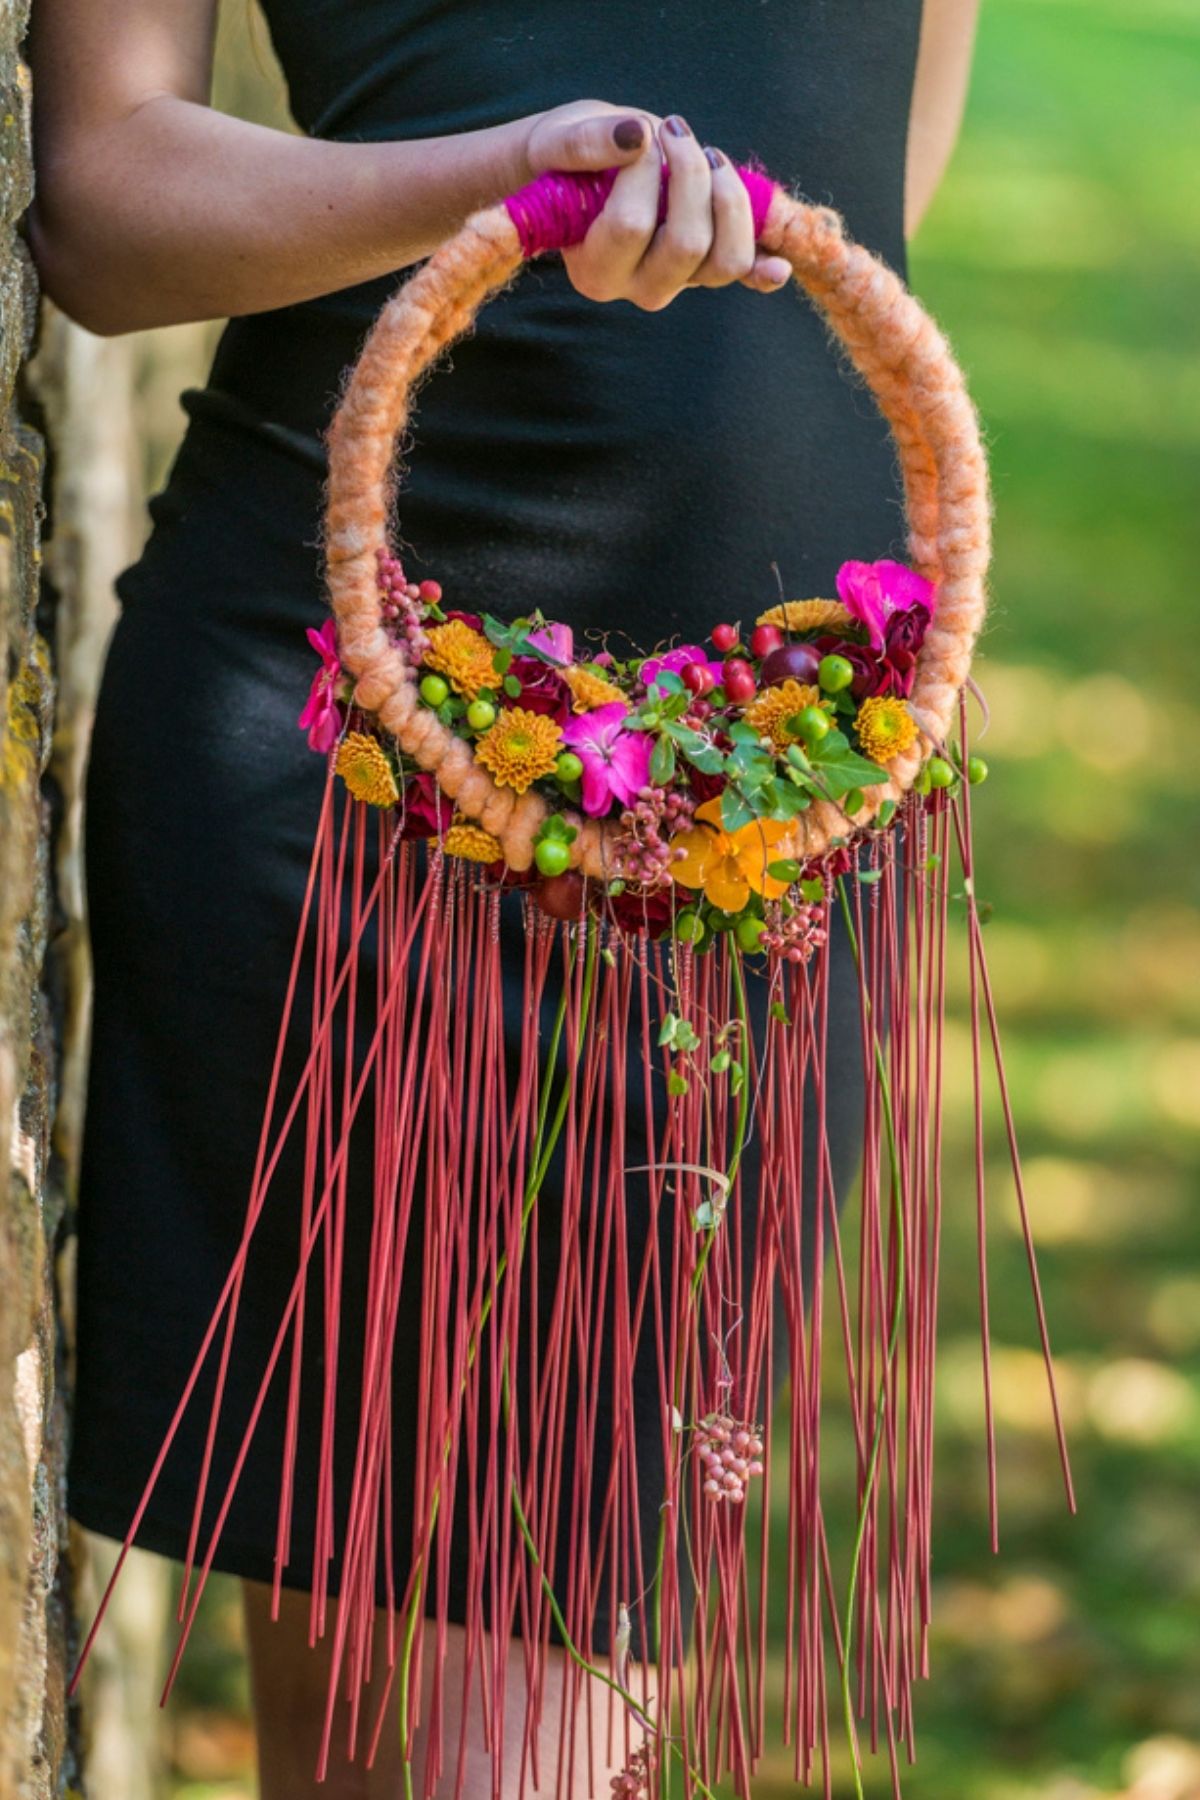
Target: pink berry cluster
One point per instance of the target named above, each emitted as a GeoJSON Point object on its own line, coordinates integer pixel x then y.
{"type": "Point", "coordinates": [730, 1453]}
{"type": "Point", "coordinates": [402, 606]}
{"type": "Point", "coordinates": [634, 1779]}
{"type": "Point", "coordinates": [645, 853]}
{"type": "Point", "coordinates": [794, 935]}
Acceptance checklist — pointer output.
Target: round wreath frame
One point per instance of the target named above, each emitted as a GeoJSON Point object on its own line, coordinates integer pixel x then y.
{"type": "Point", "coordinates": [890, 340]}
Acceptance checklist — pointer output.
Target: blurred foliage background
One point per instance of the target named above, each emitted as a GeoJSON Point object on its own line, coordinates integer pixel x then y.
{"type": "Point", "coordinates": [1063, 257]}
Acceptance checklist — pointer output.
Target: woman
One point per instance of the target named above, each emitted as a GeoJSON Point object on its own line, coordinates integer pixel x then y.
{"type": "Point", "coordinates": [629, 473]}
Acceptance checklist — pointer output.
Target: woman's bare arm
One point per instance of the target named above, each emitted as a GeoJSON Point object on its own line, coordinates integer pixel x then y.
{"type": "Point", "coordinates": [152, 208]}
{"type": "Point", "coordinates": [939, 98]}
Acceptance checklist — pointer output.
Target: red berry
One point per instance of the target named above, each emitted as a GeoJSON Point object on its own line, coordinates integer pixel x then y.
{"type": "Point", "coordinates": [764, 639]}
{"type": "Point", "coordinates": [697, 677]}
{"type": "Point", "coordinates": [561, 896]}
{"type": "Point", "coordinates": [700, 709]}
{"type": "Point", "coordinates": [431, 591]}
{"type": "Point", "coordinates": [739, 682]}
{"type": "Point", "coordinates": [724, 637]}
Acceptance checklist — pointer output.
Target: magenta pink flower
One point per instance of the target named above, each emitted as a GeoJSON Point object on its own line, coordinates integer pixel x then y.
{"type": "Point", "coordinates": [872, 592]}
{"type": "Point", "coordinates": [616, 761]}
{"type": "Point", "coordinates": [322, 716]}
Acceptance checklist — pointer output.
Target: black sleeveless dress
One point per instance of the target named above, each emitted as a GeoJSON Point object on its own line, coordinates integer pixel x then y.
{"type": "Point", "coordinates": [630, 473]}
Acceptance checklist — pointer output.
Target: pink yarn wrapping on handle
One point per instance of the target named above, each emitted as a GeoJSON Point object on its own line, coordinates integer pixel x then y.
{"type": "Point", "coordinates": [555, 210]}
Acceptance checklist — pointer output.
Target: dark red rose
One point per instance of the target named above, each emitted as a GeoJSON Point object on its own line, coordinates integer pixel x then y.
{"type": "Point", "coordinates": [637, 909]}
{"type": "Point", "coordinates": [468, 618]}
{"type": "Point", "coordinates": [543, 689]}
{"type": "Point", "coordinates": [427, 811]}
{"type": "Point", "coordinates": [705, 787]}
{"type": "Point", "coordinates": [903, 636]}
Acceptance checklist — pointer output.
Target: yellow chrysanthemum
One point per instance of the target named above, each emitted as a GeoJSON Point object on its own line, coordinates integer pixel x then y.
{"type": "Point", "coordinates": [885, 727]}
{"type": "Point", "coordinates": [729, 865]}
{"type": "Point", "coordinates": [463, 655]}
{"type": "Point", "coordinates": [363, 765]}
{"type": "Point", "coordinates": [519, 747]}
{"type": "Point", "coordinates": [589, 690]}
{"type": "Point", "coordinates": [774, 706]}
{"type": "Point", "coordinates": [807, 615]}
{"type": "Point", "coordinates": [467, 839]}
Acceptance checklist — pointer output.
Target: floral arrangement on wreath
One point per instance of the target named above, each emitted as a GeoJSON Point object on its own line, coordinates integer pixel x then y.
{"type": "Point", "coordinates": [702, 755]}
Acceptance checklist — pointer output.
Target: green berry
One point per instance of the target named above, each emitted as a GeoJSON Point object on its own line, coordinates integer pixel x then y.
{"type": "Point", "coordinates": [689, 927]}
{"type": "Point", "coordinates": [568, 766]}
{"type": "Point", "coordinates": [434, 690]}
{"type": "Point", "coordinates": [749, 932]}
{"type": "Point", "coordinates": [552, 856]}
{"type": "Point", "coordinates": [941, 773]}
{"type": "Point", "coordinates": [814, 724]}
{"type": "Point", "coordinates": [834, 673]}
{"type": "Point", "coordinates": [977, 770]}
{"type": "Point", "coordinates": [480, 714]}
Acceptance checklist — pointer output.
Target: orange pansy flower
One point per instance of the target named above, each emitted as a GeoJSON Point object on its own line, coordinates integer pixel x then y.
{"type": "Point", "coordinates": [729, 865]}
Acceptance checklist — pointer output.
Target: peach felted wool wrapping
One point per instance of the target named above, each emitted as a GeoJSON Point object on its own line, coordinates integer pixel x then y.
{"type": "Point", "coordinates": [407, 1067]}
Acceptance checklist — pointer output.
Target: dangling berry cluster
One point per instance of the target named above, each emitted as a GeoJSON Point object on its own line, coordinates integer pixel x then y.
{"type": "Point", "coordinates": [731, 1453]}
{"type": "Point", "coordinates": [401, 604]}
{"type": "Point", "coordinates": [794, 935]}
{"type": "Point", "coordinates": [645, 854]}
{"type": "Point", "coordinates": [634, 1779]}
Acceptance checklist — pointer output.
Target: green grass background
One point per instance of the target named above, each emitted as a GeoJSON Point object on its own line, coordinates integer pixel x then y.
{"type": "Point", "coordinates": [1063, 257]}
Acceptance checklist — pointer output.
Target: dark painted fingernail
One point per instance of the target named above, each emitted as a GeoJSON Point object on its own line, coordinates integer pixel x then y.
{"type": "Point", "coordinates": [629, 134]}
{"type": "Point", "coordinates": [716, 158]}
{"type": "Point", "coordinates": [677, 127]}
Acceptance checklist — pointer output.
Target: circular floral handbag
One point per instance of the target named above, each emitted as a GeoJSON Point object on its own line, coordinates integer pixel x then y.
{"type": "Point", "coordinates": [682, 833]}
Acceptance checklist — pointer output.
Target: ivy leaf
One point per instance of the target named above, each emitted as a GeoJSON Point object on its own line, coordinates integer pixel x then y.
{"type": "Point", "coordinates": [662, 761]}
{"type": "Point", "coordinates": [813, 892]}
{"type": "Point", "coordinates": [699, 751]}
{"type": "Point", "coordinates": [677, 1084]}
{"type": "Point", "coordinates": [734, 810]}
{"type": "Point", "coordinates": [667, 1030]}
{"type": "Point", "coordinates": [842, 769]}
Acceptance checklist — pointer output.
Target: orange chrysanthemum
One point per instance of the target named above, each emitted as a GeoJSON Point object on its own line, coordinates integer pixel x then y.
{"type": "Point", "coordinates": [885, 727]}
{"type": "Point", "coordinates": [466, 839]}
{"type": "Point", "coordinates": [463, 655]}
{"type": "Point", "coordinates": [362, 762]}
{"type": "Point", "coordinates": [589, 690]}
{"type": "Point", "coordinates": [807, 615]}
{"type": "Point", "coordinates": [774, 706]}
{"type": "Point", "coordinates": [519, 747]}
{"type": "Point", "coordinates": [729, 865]}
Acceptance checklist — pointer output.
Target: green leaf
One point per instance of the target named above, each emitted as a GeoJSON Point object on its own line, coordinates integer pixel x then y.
{"type": "Point", "coordinates": [720, 1062]}
{"type": "Point", "coordinates": [512, 687]}
{"type": "Point", "coordinates": [737, 1078]}
{"type": "Point", "coordinates": [676, 1083]}
{"type": "Point", "coordinates": [699, 751]}
{"type": "Point", "coordinates": [869, 876]}
{"type": "Point", "coordinates": [742, 731]}
{"type": "Point", "coordinates": [785, 868]}
{"type": "Point", "coordinates": [886, 814]}
{"type": "Point", "coordinates": [841, 769]}
{"type": "Point", "coordinates": [780, 1012]}
{"type": "Point", "coordinates": [853, 801]}
{"type": "Point", "coordinates": [704, 1218]}
{"type": "Point", "coordinates": [734, 811]}
{"type": "Point", "coordinates": [667, 1030]}
{"type": "Point", "coordinates": [813, 892]}
{"type": "Point", "coordinates": [662, 761]}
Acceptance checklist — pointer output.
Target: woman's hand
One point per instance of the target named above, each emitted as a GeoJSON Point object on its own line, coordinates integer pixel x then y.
{"type": "Point", "coordinates": [707, 237]}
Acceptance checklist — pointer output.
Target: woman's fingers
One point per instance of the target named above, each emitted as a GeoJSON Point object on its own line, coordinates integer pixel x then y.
{"type": "Point", "coordinates": [587, 135]}
{"type": "Point", "coordinates": [684, 239]}
{"type": "Point", "coordinates": [731, 255]}
{"type": "Point", "coordinates": [605, 266]}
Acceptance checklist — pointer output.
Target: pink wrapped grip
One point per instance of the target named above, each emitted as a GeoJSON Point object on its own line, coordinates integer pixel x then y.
{"type": "Point", "coordinates": [555, 210]}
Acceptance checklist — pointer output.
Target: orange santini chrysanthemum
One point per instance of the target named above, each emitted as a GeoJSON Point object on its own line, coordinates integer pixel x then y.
{"type": "Point", "coordinates": [519, 747]}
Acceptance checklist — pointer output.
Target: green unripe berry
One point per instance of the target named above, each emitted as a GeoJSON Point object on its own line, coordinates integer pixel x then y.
{"type": "Point", "coordinates": [480, 714]}
{"type": "Point", "coordinates": [834, 673]}
{"type": "Point", "coordinates": [552, 856]}
{"type": "Point", "coordinates": [434, 690]}
{"type": "Point", "coordinates": [568, 767]}
{"type": "Point", "coordinates": [689, 927]}
{"type": "Point", "coordinates": [977, 770]}
{"type": "Point", "coordinates": [941, 773]}
{"type": "Point", "coordinates": [749, 932]}
{"type": "Point", "coordinates": [814, 724]}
